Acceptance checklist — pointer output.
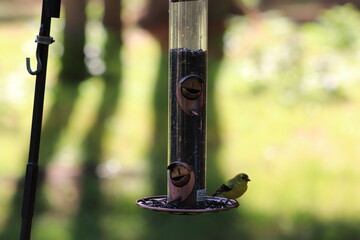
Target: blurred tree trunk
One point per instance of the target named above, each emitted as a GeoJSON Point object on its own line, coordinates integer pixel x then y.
{"type": "Point", "coordinates": [156, 22]}
{"type": "Point", "coordinates": [72, 73]}
{"type": "Point", "coordinates": [73, 64]}
{"type": "Point", "coordinates": [91, 205]}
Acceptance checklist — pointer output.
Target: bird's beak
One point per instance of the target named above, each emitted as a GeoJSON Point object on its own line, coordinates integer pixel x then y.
{"type": "Point", "coordinates": [248, 180]}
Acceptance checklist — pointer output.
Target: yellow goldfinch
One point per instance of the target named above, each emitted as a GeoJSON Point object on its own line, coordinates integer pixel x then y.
{"type": "Point", "coordinates": [235, 187]}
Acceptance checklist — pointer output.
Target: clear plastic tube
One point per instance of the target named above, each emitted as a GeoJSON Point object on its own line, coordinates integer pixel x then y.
{"type": "Point", "coordinates": [187, 93]}
{"type": "Point", "coordinates": [188, 24]}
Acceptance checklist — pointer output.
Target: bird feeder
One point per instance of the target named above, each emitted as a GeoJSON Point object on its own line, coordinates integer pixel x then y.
{"type": "Point", "coordinates": [187, 115]}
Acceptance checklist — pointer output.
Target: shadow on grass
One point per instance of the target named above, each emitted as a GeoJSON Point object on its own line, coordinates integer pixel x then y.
{"type": "Point", "coordinates": [87, 223]}
{"type": "Point", "coordinates": [310, 227]}
{"type": "Point", "coordinates": [304, 226]}
{"type": "Point", "coordinates": [58, 119]}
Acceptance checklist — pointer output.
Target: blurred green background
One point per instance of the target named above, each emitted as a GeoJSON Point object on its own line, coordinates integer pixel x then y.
{"type": "Point", "coordinates": [283, 106]}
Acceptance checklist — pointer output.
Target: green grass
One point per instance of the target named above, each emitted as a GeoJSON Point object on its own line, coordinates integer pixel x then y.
{"type": "Point", "coordinates": [288, 110]}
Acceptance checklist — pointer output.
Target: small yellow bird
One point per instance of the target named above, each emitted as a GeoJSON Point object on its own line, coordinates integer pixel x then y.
{"type": "Point", "coordinates": [235, 187]}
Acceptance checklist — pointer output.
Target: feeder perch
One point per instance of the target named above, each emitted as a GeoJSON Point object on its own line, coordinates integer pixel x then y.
{"type": "Point", "coordinates": [187, 115]}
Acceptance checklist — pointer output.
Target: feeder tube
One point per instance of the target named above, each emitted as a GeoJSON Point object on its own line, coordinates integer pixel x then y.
{"type": "Point", "coordinates": [187, 93]}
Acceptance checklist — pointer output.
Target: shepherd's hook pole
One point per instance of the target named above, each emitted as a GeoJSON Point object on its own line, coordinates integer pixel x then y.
{"type": "Point", "coordinates": [50, 9]}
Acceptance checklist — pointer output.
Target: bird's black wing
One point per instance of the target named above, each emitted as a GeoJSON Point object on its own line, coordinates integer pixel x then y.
{"type": "Point", "coordinates": [221, 189]}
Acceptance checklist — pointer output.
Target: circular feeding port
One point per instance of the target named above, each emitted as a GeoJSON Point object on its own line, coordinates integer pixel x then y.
{"type": "Point", "coordinates": [179, 175]}
{"type": "Point", "coordinates": [191, 87]}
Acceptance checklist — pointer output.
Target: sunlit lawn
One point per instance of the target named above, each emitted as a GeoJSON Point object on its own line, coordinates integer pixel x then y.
{"type": "Point", "coordinates": [294, 135]}
{"type": "Point", "coordinates": [300, 144]}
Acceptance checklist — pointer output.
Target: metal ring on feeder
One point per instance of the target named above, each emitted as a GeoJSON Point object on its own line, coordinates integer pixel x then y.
{"type": "Point", "coordinates": [212, 204]}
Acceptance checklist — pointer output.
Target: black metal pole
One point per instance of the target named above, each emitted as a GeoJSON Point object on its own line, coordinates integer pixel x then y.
{"type": "Point", "coordinates": [50, 8]}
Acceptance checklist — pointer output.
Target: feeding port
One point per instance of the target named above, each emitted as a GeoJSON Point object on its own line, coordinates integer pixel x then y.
{"type": "Point", "coordinates": [187, 115]}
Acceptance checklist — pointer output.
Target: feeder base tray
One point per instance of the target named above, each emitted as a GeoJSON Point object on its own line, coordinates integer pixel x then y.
{"type": "Point", "coordinates": [212, 204]}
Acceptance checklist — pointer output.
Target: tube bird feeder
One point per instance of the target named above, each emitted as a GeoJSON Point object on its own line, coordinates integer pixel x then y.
{"type": "Point", "coordinates": [186, 192]}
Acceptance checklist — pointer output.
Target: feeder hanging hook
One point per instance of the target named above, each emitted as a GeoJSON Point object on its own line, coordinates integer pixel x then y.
{"type": "Point", "coordinates": [40, 40]}
{"type": "Point", "coordinates": [39, 65]}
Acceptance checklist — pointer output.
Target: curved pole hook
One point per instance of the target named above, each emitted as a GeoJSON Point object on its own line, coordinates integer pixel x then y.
{"type": "Point", "coordinates": [39, 65]}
